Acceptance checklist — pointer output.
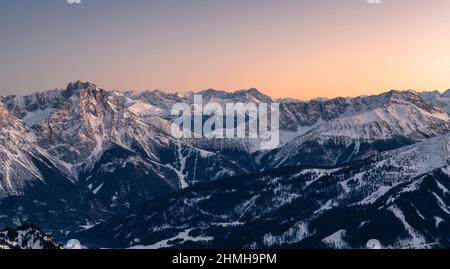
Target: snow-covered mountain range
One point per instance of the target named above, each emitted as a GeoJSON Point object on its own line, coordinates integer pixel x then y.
{"type": "Point", "coordinates": [73, 158]}
{"type": "Point", "coordinates": [400, 198]}
{"type": "Point", "coordinates": [356, 128]}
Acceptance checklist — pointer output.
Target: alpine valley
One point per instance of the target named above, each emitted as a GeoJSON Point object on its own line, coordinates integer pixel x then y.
{"type": "Point", "coordinates": [102, 166]}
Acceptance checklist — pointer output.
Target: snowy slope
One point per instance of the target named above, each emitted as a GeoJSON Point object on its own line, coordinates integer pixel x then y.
{"type": "Point", "coordinates": [16, 159]}
{"type": "Point", "coordinates": [401, 198]}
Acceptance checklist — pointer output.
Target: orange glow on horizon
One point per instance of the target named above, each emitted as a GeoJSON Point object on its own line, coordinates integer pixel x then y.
{"type": "Point", "coordinates": [296, 49]}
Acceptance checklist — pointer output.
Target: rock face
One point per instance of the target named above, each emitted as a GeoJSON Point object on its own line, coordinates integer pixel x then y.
{"type": "Point", "coordinates": [72, 158]}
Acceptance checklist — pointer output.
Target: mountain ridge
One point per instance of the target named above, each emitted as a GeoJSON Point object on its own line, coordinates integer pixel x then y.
{"type": "Point", "coordinates": [94, 154]}
{"type": "Point", "coordinates": [299, 207]}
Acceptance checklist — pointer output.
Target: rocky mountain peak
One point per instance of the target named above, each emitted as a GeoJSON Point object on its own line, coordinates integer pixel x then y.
{"type": "Point", "coordinates": [77, 86]}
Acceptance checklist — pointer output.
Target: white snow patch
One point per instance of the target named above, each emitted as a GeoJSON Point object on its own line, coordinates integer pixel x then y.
{"type": "Point", "coordinates": [228, 224]}
{"type": "Point", "coordinates": [373, 197]}
{"type": "Point", "coordinates": [336, 240]}
{"type": "Point", "coordinates": [442, 187]}
{"type": "Point", "coordinates": [295, 234]}
{"type": "Point", "coordinates": [180, 172]}
{"type": "Point", "coordinates": [98, 189]}
{"type": "Point", "coordinates": [328, 205]}
{"type": "Point", "coordinates": [184, 236]}
{"type": "Point", "coordinates": [416, 240]}
{"type": "Point", "coordinates": [438, 220]}
{"type": "Point", "coordinates": [441, 203]}
{"type": "Point", "coordinates": [37, 116]}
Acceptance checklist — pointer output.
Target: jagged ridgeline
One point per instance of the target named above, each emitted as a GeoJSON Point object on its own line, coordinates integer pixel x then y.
{"type": "Point", "coordinates": [76, 157]}
{"type": "Point", "coordinates": [26, 237]}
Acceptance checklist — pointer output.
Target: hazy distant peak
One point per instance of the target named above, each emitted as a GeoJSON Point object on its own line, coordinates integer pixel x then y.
{"type": "Point", "coordinates": [446, 93]}
{"type": "Point", "coordinates": [252, 91]}
{"type": "Point", "coordinates": [246, 95]}
{"type": "Point", "coordinates": [320, 99]}
{"type": "Point", "coordinates": [255, 93]}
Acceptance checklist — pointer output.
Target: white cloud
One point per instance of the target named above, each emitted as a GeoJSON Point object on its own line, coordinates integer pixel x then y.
{"type": "Point", "coordinates": [374, 1]}
{"type": "Point", "coordinates": [74, 1]}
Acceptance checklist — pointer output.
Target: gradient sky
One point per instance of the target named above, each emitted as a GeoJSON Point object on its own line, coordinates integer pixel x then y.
{"type": "Point", "coordinates": [285, 48]}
